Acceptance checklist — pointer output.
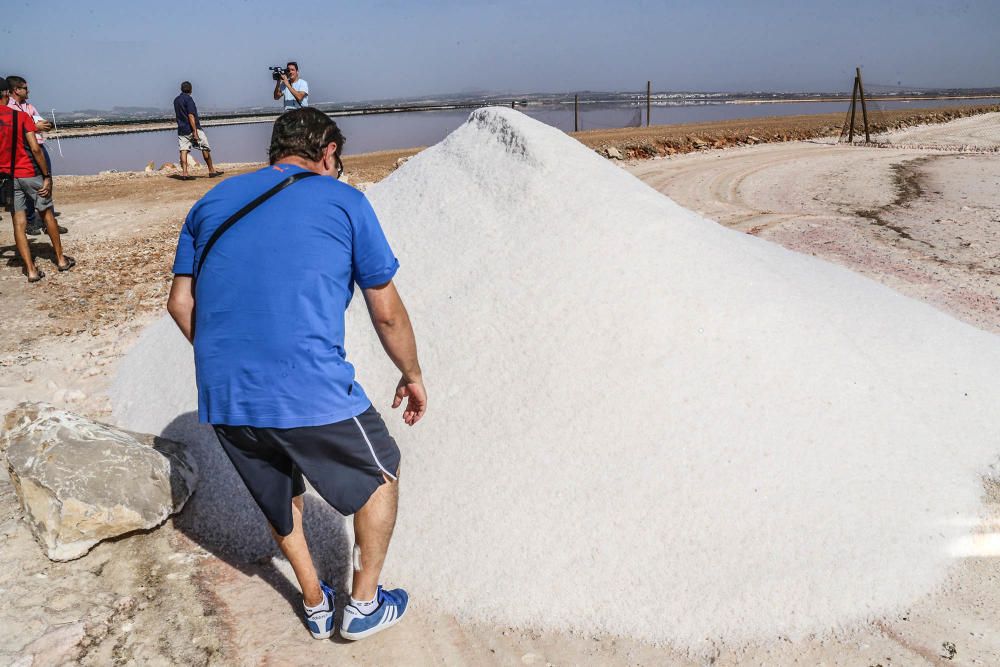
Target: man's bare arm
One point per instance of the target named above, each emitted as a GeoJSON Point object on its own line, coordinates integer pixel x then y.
{"type": "Point", "coordinates": [36, 151]}
{"type": "Point", "coordinates": [180, 305]}
{"type": "Point", "coordinates": [297, 94]}
{"type": "Point", "coordinates": [194, 126]}
{"type": "Point", "coordinates": [392, 323]}
{"type": "Point", "coordinates": [277, 89]}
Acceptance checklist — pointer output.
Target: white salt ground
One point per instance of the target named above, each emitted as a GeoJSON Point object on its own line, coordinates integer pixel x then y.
{"type": "Point", "coordinates": [630, 402]}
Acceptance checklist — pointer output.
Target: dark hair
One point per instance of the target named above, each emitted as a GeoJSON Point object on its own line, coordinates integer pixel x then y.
{"type": "Point", "coordinates": [290, 63]}
{"type": "Point", "coordinates": [304, 132]}
{"type": "Point", "coordinates": [186, 87]}
{"type": "Point", "coordinates": [14, 81]}
{"type": "Point", "coordinates": [4, 86]}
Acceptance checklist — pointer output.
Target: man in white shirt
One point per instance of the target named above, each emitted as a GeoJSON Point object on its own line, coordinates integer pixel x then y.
{"type": "Point", "coordinates": [292, 89]}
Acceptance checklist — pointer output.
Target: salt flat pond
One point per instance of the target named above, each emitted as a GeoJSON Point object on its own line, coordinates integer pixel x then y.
{"type": "Point", "coordinates": [366, 134]}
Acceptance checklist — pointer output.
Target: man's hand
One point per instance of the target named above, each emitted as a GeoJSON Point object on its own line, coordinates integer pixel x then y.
{"type": "Point", "coordinates": [46, 189]}
{"type": "Point", "coordinates": [392, 324]}
{"type": "Point", "coordinates": [284, 80]}
{"type": "Point", "coordinates": [416, 399]}
{"type": "Point", "coordinates": [43, 125]}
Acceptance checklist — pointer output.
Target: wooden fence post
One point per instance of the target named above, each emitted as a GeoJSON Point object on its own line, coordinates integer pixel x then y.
{"type": "Point", "coordinates": [649, 87]}
{"type": "Point", "coordinates": [854, 95]}
{"type": "Point", "coordinates": [576, 113]}
{"type": "Point", "coordinates": [864, 107]}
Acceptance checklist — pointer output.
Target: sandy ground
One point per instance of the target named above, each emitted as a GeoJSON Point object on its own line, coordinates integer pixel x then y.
{"type": "Point", "coordinates": [971, 133]}
{"type": "Point", "coordinates": [923, 221]}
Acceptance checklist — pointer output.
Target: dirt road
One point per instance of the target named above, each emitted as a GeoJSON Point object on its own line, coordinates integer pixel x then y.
{"type": "Point", "coordinates": [925, 222]}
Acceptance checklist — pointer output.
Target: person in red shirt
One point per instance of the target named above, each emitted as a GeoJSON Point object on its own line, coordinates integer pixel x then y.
{"type": "Point", "coordinates": [31, 180]}
{"type": "Point", "coordinates": [19, 100]}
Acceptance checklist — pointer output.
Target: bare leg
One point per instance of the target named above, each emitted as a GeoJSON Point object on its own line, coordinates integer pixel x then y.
{"type": "Point", "coordinates": [52, 229]}
{"type": "Point", "coordinates": [373, 525]}
{"type": "Point", "coordinates": [296, 550]}
{"type": "Point", "coordinates": [207, 155]}
{"type": "Point", "coordinates": [184, 163]}
{"type": "Point", "coordinates": [21, 242]}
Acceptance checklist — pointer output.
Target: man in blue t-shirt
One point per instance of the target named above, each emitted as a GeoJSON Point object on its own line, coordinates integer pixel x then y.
{"type": "Point", "coordinates": [272, 373]}
{"type": "Point", "coordinates": [189, 133]}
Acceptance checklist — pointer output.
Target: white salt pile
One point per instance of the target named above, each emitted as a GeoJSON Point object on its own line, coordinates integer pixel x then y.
{"type": "Point", "coordinates": [641, 422]}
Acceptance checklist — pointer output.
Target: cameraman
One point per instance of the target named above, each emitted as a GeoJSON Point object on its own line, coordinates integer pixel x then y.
{"type": "Point", "coordinates": [294, 89]}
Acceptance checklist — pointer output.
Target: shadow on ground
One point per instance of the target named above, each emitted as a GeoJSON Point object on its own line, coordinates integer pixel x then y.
{"type": "Point", "coordinates": [223, 519]}
{"type": "Point", "coordinates": [41, 251]}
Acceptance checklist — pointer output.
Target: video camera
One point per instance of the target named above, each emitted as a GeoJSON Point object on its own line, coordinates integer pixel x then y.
{"type": "Point", "coordinates": [278, 72]}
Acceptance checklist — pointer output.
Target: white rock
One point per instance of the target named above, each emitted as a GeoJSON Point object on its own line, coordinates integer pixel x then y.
{"type": "Point", "coordinates": [58, 646]}
{"type": "Point", "coordinates": [74, 396]}
{"type": "Point", "coordinates": [80, 482]}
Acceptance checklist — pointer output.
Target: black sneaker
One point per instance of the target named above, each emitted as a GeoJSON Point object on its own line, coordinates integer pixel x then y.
{"type": "Point", "coordinates": [62, 230]}
{"type": "Point", "coordinates": [34, 231]}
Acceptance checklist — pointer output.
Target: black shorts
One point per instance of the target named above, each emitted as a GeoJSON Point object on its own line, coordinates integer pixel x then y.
{"type": "Point", "coordinates": [345, 462]}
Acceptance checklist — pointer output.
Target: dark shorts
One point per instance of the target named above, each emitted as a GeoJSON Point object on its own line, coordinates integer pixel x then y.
{"type": "Point", "coordinates": [345, 462]}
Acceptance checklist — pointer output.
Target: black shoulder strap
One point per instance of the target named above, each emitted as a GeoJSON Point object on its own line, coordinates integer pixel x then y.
{"type": "Point", "coordinates": [13, 145]}
{"type": "Point", "coordinates": [235, 217]}
{"type": "Point", "coordinates": [8, 184]}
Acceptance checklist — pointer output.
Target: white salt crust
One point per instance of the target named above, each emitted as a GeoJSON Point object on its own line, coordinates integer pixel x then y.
{"type": "Point", "coordinates": [631, 402]}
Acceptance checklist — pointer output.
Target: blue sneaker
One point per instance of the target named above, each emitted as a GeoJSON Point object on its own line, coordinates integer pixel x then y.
{"type": "Point", "coordinates": [392, 606]}
{"type": "Point", "coordinates": [321, 622]}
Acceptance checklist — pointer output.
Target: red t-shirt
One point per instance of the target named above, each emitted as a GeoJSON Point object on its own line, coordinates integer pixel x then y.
{"type": "Point", "coordinates": [24, 161]}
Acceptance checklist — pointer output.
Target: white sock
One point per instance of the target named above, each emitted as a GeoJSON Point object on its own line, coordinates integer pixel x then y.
{"type": "Point", "coordinates": [322, 606]}
{"type": "Point", "coordinates": [366, 607]}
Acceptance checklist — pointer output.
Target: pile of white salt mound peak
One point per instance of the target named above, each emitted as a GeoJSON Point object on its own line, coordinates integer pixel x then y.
{"type": "Point", "coordinates": [640, 422]}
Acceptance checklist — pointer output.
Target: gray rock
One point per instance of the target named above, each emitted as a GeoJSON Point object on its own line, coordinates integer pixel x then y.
{"type": "Point", "coordinates": [614, 153]}
{"type": "Point", "coordinates": [80, 482]}
{"type": "Point", "coordinates": [59, 646]}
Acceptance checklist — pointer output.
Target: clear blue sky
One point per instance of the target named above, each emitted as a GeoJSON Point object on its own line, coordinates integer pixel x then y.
{"type": "Point", "coordinates": [100, 54]}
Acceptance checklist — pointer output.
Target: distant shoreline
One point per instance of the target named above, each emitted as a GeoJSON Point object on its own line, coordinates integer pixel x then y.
{"type": "Point", "coordinates": [161, 124]}
{"type": "Point", "coordinates": [868, 98]}
{"type": "Point", "coordinates": [636, 143]}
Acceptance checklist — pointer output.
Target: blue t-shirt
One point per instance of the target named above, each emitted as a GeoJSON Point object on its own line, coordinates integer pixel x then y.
{"type": "Point", "coordinates": [271, 295]}
{"type": "Point", "coordinates": [184, 105]}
